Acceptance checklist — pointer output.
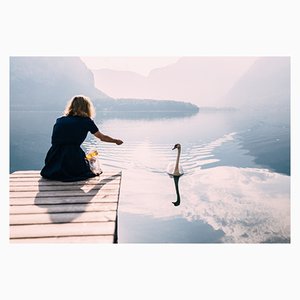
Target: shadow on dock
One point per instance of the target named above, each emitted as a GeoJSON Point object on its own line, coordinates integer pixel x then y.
{"type": "Point", "coordinates": [67, 201]}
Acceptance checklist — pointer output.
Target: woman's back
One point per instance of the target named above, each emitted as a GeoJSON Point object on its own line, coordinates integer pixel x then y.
{"type": "Point", "coordinates": [72, 130]}
{"type": "Point", "coordinates": [65, 160]}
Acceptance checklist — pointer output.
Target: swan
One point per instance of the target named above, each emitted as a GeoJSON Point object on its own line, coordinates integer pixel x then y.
{"type": "Point", "coordinates": [175, 169]}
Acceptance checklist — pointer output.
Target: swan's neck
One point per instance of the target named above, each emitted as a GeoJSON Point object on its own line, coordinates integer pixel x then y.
{"type": "Point", "coordinates": [176, 170]}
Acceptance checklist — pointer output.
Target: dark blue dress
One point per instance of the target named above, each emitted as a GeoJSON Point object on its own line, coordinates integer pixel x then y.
{"type": "Point", "coordinates": [65, 160]}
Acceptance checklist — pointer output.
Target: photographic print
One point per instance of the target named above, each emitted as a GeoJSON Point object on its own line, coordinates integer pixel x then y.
{"type": "Point", "coordinates": [191, 149]}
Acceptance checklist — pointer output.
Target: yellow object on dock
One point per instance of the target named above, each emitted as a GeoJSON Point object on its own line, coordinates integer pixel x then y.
{"type": "Point", "coordinates": [44, 211]}
{"type": "Point", "coordinates": [92, 154]}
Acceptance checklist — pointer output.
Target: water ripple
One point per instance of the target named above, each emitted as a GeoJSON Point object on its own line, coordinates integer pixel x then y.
{"type": "Point", "coordinates": [154, 157]}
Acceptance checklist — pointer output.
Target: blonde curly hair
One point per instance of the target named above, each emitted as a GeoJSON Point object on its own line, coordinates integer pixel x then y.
{"type": "Point", "coordinates": [81, 106]}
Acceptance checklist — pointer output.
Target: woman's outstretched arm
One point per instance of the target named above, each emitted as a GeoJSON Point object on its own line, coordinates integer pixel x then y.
{"type": "Point", "coordinates": [106, 138]}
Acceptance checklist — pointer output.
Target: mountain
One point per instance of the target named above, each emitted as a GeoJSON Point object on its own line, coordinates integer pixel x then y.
{"type": "Point", "coordinates": [266, 85]}
{"type": "Point", "coordinates": [200, 80]}
{"type": "Point", "coordinates": [47, 83]}
{"type": "Point", "coordinates": [150, 105]}
{"type": "Point", "coordinates": [262, 96]}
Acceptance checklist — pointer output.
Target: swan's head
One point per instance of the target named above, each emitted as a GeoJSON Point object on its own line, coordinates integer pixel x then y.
{"type": "Point", "coordinates": [177, 146]}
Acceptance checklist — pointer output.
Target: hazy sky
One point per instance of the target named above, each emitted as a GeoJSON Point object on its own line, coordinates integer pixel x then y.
{"type": "Point", "coordinates": [141, 65]}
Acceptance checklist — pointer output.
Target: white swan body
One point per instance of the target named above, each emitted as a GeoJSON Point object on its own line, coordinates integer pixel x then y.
{"type": "Point", "coordinates": [175, 169]}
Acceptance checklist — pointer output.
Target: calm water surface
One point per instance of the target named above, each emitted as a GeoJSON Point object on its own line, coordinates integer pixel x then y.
{"type": "Point", "coordinates": [235, 187]}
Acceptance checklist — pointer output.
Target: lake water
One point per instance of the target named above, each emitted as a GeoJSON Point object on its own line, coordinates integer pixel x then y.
{"type": "Point", "coordinates": [236, 182]}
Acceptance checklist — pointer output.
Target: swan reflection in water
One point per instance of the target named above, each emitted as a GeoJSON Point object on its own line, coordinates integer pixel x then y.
{"type": "Point", "coordinates": [175, 171]}
{"type": "Point", "coordinates": [176, 180]}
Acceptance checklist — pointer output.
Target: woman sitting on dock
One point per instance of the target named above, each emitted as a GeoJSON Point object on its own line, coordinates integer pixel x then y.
{"type": "Point", "coordinates": [65, 160]}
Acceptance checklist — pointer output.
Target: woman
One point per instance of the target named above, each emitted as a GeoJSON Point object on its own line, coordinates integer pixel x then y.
{"type": "Point", "coordinates": [65, 160]}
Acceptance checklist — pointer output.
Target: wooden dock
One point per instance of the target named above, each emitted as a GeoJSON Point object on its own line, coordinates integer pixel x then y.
{"type": "Point", "coordinates": [44, 211]}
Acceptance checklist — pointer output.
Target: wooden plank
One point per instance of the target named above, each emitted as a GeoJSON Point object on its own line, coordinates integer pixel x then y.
{"type": "Point", "coordinates": [57, 212]}
{"type": "Point", "coordinates": [43, 182]}
{"type": "Point", "coordinates": [28, 171]}
{"type": "Point", "coordinates": [74, 192]}
{"type": "Point", "coordinates": [93, 180]}
{"type": "Point", "coordinates": [112, 197]}
{"type": "Point", "coordinates": [48, 187]}
{"type": "Point", "coordinates": [37, 172]}
{"type": "Point", "coordinates": [66, 229]}
{"type": "Point", "coordinates": [70, 217]}
{"type": "Point", "coordinates": [67, 239]}
{"type": "Point", "coordinates": [53, 208]}
{"type": "Point", "coordinates": [35, 176]}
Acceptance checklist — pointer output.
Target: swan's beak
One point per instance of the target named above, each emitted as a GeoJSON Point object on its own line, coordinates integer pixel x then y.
{"type": "Point", "coordinates": [174, 147]}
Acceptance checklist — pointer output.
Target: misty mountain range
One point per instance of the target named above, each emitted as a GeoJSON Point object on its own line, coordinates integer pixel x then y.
{"type": "Point", "coordinates": [253, 82]}
{"type": "Point", "coordinates": [200, 80]}
{"type": "Point", "coordinates": [265, 85]}
{"type": "Point", "coordinates": [47, 83]}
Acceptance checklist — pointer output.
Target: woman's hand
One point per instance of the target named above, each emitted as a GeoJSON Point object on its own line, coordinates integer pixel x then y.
{"type": "Point", "coordinates": [119, 142]}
